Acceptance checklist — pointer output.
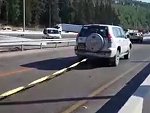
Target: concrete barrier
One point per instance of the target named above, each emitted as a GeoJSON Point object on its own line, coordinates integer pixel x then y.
{"type": "Point", "coordinates": [26, 34]}
{"type": "Point", "coordinates": [10, 38]}
{"type": "Point", "coordinates": [139, 102]}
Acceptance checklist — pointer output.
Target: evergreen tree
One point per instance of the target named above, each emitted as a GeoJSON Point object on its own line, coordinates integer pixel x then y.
{"type": "Point", "coordinates": [13, 11]}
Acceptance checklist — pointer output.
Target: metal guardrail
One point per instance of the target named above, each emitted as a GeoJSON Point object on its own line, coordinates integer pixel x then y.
{"type": "Point", "coordinates": [147, 35]}
{"type": "Point", "coordinates": [35, 42]}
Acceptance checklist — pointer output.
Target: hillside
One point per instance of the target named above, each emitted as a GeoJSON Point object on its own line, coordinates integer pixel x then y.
{"type": "Point", "coordinates": [133, 14]}
{"type": "Point", "coordinates": [127, 13]}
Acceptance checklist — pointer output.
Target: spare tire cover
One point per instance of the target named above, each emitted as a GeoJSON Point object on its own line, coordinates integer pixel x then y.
{"type": "Point", "coordinates": [94, 42]}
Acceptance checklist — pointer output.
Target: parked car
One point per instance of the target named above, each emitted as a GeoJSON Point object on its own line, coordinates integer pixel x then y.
{"type": "Point", "coordinates": [103, 41]}
{"type": "Point", "coordinates": [7, 28]}
{"type": "Point", "coordinates": [51, 33]}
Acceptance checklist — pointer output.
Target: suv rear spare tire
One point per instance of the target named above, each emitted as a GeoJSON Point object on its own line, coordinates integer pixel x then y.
{"type": "Point", "coordinates": [94, 42]}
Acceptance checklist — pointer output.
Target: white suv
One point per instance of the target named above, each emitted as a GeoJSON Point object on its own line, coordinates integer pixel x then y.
{"type": "Point", "coordinates": [103, 41]}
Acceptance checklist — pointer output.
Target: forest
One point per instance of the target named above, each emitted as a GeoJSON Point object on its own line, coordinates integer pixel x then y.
{"type": "Point", "coordinates": [48, 13]}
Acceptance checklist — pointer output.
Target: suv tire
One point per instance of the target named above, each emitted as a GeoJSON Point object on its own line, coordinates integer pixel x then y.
{"type": "Point", "coordinates": [127, 56]}
{"type": "Point", "coordinates": [115, 60]}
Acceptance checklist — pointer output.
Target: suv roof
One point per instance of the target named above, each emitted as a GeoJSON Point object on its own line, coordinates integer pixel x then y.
{"type": "Point", "coordinates": [89, 29]}
{"type": "Point", "coordinates": [101, 25]}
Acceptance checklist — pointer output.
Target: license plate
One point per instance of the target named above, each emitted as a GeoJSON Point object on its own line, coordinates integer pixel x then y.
{"type": "Point", "coordinates": [81, 46]}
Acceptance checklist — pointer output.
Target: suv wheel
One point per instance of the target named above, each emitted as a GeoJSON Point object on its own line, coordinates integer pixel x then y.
{"type": "Point", "coordinates": [115, 60]}
{"type": "Point", "coordinates": [127, 56]}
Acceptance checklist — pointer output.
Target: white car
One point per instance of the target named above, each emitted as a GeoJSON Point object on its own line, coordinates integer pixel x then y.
{"type": "Point", "coordinates": [103, 41]}
{"type": "Point", "coordinates": [51, 33]}
{"type": "Point", "coordinates": [7, 28]}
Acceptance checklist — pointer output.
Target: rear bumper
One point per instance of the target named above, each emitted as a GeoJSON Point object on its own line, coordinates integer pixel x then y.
{"type": "Point", "coordinates": [101, 54]}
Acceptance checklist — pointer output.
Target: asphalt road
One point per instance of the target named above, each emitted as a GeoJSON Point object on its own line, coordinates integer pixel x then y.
{"type": "Point", "coordinates": [94, 82]}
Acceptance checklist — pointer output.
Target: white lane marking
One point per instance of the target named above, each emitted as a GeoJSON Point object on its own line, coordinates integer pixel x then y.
{"type": "Point", "coordinates": [38, 81]}
{"type": "Point", "coordinates": [11, 92]}
{"type": "Point", "coordinates": [133, 105]}
{"type": "Point", "coordinates": [60, 72]}
{"type": "Point", "coordinates": [76, 64]}
{"type": "Point", "coordinates": [84, 60]}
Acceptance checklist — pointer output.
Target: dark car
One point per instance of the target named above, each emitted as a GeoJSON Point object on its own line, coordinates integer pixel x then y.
{"type": "Point", "coordinates": [136, 36]}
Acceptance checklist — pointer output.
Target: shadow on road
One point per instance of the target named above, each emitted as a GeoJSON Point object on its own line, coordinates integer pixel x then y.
{"type": "Point", "coordinates": [54, 100]}
{"type": "Point", "coordinates": [52, 64]}
{"type": "Point", "coordinates": [116, 102]}
{"type": "Point", "coordinates": [92, 64]}
{"type": "Point", "coordinates": [60, 63]}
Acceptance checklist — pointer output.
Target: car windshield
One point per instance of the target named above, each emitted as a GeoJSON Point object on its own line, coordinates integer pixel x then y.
{"type": "Point", "coordinates": [52, 31]}
{"type": "Point", "coordinates": [87, 30]}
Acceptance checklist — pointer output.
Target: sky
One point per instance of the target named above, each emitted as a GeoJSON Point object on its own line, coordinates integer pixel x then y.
{"type": "Point", "coordinates": [145, 0]}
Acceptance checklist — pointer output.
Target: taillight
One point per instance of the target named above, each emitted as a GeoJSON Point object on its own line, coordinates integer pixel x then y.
{"type": "Point", "coordinates": [109, 38]}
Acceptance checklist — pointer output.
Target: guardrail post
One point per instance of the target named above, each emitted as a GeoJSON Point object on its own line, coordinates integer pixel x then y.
{"type": "Point", "coordinates": [41, 46]}
{"type": "Point", "coordinates": [68, 43]}
{"type": "Point", "coordinates": [22, 47]}
{"type": "Point", "coordinates": [56, 45]}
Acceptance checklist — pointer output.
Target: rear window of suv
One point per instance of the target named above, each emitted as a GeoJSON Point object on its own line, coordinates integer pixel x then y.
{"type": "Point", "coordinates": [88, 30]}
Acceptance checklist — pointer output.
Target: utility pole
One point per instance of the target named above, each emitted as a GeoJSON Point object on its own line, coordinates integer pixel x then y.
{"type": "Point", "coordinates": [50, 13]}
{"type": "Point", "coordinates": [24, 15]}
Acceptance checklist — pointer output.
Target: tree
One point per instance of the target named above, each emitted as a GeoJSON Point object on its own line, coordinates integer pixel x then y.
{"type": "Point", "coordinates": [55, 13]}
{"type": "Point", "coordinates": [13, 11]}
{"type": "Point", "coordinates": [89, 12]}
{"type": "Point", "coordinates": [3, 10]}
{"type": "Point", "coordinates": [66, 10]}
{"type": "Point", "coordinates": [28, 12]}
